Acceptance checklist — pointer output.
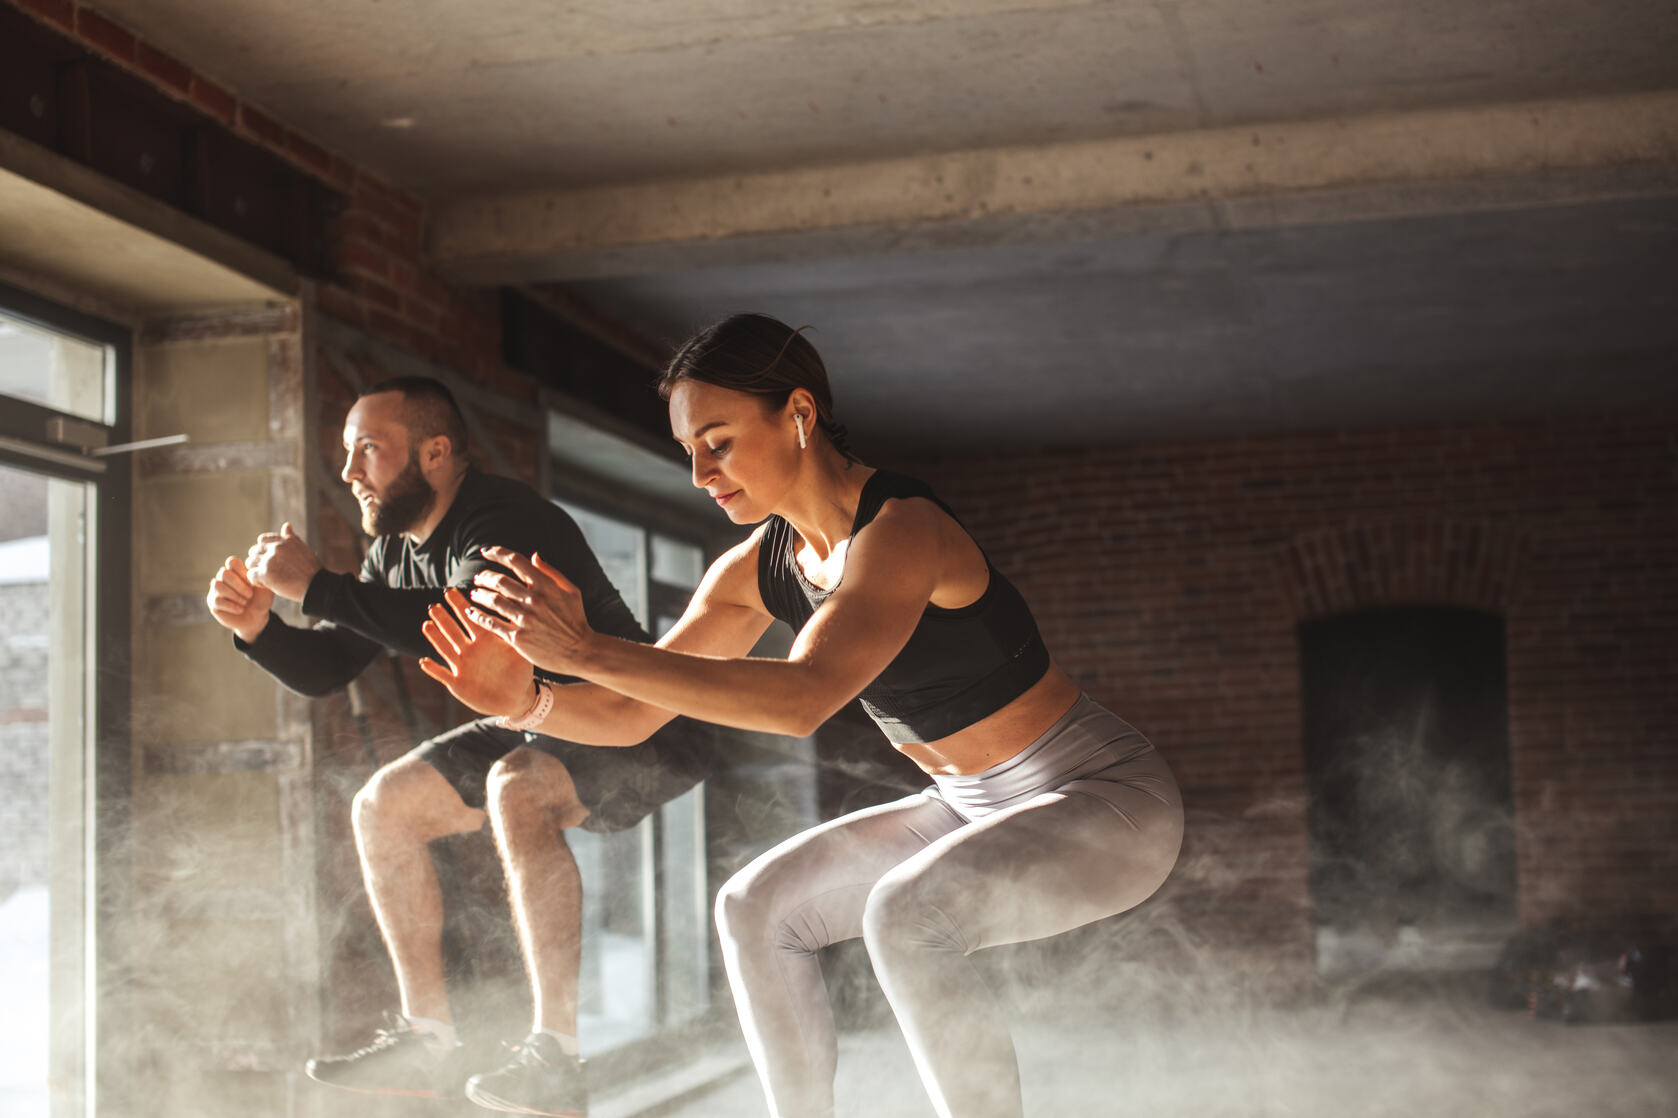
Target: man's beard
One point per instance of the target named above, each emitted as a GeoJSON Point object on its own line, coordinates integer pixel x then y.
{"type": "Point", "coordinates": [400, 507]}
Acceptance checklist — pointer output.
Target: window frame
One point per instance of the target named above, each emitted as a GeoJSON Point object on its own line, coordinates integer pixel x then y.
{"type": "Point", "coordinates": [106, 883]}
{"type": "Point", "coordinates": [666, 1038]}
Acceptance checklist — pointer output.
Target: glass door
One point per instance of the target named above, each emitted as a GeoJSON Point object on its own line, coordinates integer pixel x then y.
{"type": "Point", "coordinates": [56, 408]}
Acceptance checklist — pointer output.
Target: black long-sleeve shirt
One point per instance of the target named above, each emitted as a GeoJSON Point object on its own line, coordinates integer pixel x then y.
{"type": "Point", "coordinates": [384, 605]}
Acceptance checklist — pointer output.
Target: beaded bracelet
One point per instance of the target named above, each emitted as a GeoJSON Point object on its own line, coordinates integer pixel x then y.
{"type": "Point", "coordinates": [537, 712]}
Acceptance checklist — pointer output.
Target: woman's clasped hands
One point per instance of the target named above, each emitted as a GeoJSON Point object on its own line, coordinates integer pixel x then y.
{"type": "Point", "coordinates": [532, 616]}
{"type": "Point", "coordinates": [535, 609]}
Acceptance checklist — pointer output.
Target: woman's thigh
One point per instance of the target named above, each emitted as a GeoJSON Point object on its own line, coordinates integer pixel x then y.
{"type": "Point", "coordinates": [812, 888]}
{"type": "Point", "coordinates": [1084, 852]}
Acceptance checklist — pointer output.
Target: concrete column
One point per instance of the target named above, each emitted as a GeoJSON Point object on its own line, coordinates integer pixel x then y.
{"type": "Point", "coordinates": [223, 852]}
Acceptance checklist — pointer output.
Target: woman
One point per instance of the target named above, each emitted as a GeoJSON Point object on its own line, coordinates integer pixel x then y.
{"type": "Point", "coordinates": [1046, 811]}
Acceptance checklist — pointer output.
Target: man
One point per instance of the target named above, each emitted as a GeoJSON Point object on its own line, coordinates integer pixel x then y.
{"type": "Point", "coordinates": [431, 514]}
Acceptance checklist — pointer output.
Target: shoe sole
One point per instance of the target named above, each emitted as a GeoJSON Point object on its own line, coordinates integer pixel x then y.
{"type": "Point", "coordinates": [490, 1102]}
{"type": "Point", "coordinates": [399, 1091]}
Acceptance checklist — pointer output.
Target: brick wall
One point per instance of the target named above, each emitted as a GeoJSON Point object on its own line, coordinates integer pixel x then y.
{"type": "Point", "coordinates": [380, 281]}
{"type": "Point", "coordinates": [1170, 579]}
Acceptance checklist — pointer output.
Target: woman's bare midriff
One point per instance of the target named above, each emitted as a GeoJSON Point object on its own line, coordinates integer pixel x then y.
{"type": "Point", "coordinates": [997, 737]}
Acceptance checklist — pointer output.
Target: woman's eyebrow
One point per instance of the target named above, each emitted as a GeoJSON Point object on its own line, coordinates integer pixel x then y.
{"type": "Point", "coordinates": [707, 427]}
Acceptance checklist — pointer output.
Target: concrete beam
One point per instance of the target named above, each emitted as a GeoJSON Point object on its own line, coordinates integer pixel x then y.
{"type": "Point", "coordinates": [1408, 164]}
{"type": "Point", "coordinates": [69, 224]}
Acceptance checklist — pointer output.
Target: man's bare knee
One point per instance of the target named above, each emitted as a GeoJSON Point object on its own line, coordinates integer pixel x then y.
{"type": "Point", "coordinates": [528, 781]}
{"type": "Point", "coordinates": [411, 797]}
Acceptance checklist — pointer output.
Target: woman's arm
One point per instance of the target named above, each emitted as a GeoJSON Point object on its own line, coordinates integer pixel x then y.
{"type": "Point", "coordinates": [890, 573]}
{"type": "Point", "coordinates": [725, 617]}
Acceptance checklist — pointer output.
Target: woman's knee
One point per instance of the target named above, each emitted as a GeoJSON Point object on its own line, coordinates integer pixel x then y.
{"type": "Point", "coordinates": [905, 911]}
{"type": "Point", "coordinates": [737, 908]}
{"type": "Point", "coordinates": [756, 906]}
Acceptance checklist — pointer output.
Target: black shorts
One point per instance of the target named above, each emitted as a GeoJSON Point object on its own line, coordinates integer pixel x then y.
{"type": "Point", "coordinates": [620, 786]}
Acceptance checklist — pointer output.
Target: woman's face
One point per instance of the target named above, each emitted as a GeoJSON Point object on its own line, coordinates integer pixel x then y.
{"type": "Point", "coordinates": [743, 452]}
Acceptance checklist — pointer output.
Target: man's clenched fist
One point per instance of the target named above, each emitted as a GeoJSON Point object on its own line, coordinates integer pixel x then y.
{"type": "Point", "coordinates": [283, 563]}
{"type": "Point", "coordinates": [238, 603]}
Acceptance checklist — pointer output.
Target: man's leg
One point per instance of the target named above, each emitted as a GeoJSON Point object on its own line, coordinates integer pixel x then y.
{"type": "Point", "coordinates": [535, 793]}
{"type": "Point", "coordinates": [532, 801]}
{"type": "Point", "coordinates": [397, 814]}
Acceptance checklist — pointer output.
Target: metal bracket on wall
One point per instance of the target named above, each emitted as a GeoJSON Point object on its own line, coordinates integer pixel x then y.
{"type": "Point", "coordinates": [141, 444]}
{"type": "Point", "coordinates": [90, 438]}
{"type": "Point", "coordinates": [80, 445]}
{"type": "Point", "coordinates": [73, 432]}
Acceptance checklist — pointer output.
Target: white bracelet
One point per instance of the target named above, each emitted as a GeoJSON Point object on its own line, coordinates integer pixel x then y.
{"type": "Point", "coordinates": [536, 714]}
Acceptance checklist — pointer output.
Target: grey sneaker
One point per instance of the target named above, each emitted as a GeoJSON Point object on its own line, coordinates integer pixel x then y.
{"type": "Point", "coordinates": [400, 1061]}
{"type": "Point", "coordinates": [538, 1078]}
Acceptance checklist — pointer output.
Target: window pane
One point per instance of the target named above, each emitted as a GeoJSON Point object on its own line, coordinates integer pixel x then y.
{"type": "Point", "coordinates": [615, 1000]}
{"type": "Point", "coordinates": [43, 591]}
{"type": "Point", "coordinates": [677, 563]}
{"type": "Point", "coordinates": [646, 913]}
{"type": "Point", "coordinates": [685, 907]}
{"type": "Point", "coordinates": [622, 551]}
{"type": "Point", "coordinates": [615, 995]}
{"type": "Point", "coordinates": [51, 369]}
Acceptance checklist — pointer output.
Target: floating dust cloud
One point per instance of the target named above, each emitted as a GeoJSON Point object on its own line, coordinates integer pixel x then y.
{"type": "Point", "coordinates": [1164, 1010]}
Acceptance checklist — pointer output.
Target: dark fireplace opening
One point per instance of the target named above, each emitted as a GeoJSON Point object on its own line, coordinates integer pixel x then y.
{"type": "Point", "coordinates": [1407, 760]}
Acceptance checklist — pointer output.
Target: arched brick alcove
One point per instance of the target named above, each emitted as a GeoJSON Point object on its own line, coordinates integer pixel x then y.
{"type": "Point", "coordinates": [1391, 561]}
{"type": "Point", "coordinates": [1382, 578]}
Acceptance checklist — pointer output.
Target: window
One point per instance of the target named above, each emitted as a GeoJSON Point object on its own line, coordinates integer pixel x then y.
{"type": "Point", "coordinates": [54, 369]}
{"type": "Point", "coordinates": [62, 558]}
{"type": "Point", "coordinates": [646, 927]}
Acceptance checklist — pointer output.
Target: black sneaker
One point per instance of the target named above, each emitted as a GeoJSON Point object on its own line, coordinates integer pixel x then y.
{"type": "Point", "coordinates": [400, 1061]}
{"type": "Point", "coordinates": [538, 1078]}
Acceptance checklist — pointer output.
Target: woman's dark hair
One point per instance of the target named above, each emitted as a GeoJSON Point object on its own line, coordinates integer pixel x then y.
{"type": "Point", "coordinates": [760, 356]}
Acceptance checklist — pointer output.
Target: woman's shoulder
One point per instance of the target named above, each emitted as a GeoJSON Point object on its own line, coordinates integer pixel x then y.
{"type": "Point", "coordinates": [733, 575]}
{"type": "Point", "coordinates": [906, 498]}
{"type": "Point", "coordinates": [886, 484]}
{"type": "Point", "coordinates": [742, 558]}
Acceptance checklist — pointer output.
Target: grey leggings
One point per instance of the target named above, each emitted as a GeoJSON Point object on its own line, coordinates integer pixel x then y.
{"type": "Point", "coordinates": [1084, 823]}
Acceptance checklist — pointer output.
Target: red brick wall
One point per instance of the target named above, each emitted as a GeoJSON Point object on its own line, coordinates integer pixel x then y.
{"type": "Point", "coordinates": [381, 282]}
{"type": "Point", "coordinates": [1170, 578]}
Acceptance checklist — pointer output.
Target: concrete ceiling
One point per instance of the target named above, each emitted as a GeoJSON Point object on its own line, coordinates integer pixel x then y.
{"type": "Point", "coordinates": [452, 99]}
{"type": "Point", "coordinates": [1486, 316]}
{"type": "Point", "coordinates": [1029, 222]}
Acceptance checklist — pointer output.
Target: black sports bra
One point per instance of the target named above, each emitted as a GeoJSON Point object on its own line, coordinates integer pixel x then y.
{"type": "Point", "coordinates": [959, 665]}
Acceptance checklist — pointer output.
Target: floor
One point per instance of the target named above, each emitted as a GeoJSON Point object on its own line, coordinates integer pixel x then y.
{"type": "Point", "coordinates": [1436, 1050]}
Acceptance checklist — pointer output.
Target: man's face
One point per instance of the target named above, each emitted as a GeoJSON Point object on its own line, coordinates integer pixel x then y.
{"type": "Point", "coordinates": [382, 466]}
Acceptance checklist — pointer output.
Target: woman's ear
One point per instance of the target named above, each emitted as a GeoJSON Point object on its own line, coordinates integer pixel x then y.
{"type": "Point", "coordinates": [801, 402]}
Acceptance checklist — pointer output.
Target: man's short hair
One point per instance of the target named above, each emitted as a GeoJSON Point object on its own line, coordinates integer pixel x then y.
{"type": "Point", "coordinates": [431, 410]}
